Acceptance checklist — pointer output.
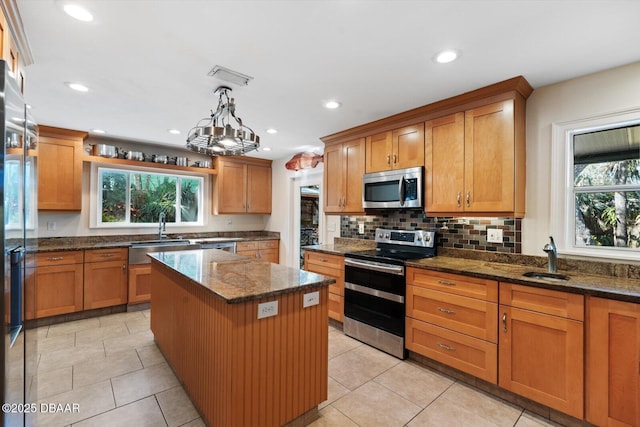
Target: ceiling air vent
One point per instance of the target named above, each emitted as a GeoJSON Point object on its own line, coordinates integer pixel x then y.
{"type": "Point", "coordinates": [230, 76]}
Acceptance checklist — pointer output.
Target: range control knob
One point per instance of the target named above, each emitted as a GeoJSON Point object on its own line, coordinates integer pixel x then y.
{"type": "Point", "coordinates": [386, 236]}
{"type": "Point", "coordinates": [420, 238]}
{"type": "Point", "coordinates": [380, 235]}
{"type": "Point", "coordinates": [427, 238]}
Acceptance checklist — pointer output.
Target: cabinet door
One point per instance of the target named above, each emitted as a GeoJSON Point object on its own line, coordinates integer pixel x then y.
{"type": "Point", "coordinates": [105, 284]}
{"type": "Point", "coordinates": [490, 158]}
{"type": "Point", "coordinates": [336, 307]}
{"type": "Point", "coordinates": [333, 188]}
{"type": "Point", "coordinates": [541, 358]}
{"type": "Point", "coordinates": [408, 147]}
{"type": "Point", "coordinates": [59, 173]}
{"type": "Point", "coordinates": [378, 152]}
{"type": "Point", "coordinates": [58, 290]}
{"type": "Point", "coordinates": [139, 283]}
{"type": "Point", "coordinates": [613, 363]}
{"type": "Point", "coordinates": [258, 189]}
{"type": "Point", "coordinates": [231, 186]}
{"type": "Point", "coordinates": [444, 164]}
{"type": "Point", "coordinates": [353, 154]}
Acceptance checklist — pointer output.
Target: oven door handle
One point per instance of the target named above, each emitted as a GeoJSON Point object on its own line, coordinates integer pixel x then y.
{"type": "Point", "coordinates": [374, 292]}
{"type": "Point", "coordinates": [393, 269]}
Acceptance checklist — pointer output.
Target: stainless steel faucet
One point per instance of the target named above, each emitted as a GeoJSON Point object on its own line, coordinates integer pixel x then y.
{"type": "Point", "coordinates": [552, 252]}
{"type": "Point", "coordinates": [162, 224]}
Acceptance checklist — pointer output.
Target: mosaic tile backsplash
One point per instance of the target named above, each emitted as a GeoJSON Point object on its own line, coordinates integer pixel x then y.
{"type": "Point", "coordinates": [460, 233]}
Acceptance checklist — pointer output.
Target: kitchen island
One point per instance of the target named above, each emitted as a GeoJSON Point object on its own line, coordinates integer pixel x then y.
{"type": "Point", "coordinates": [243, 362]}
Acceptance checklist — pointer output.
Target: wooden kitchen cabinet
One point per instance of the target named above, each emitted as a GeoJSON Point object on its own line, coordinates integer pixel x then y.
{"type": "Point", "coordinates": [332, 266]}
{"type": "Point", "coordinates": [396, 149]}
{"type": "Point", "coordinates": [343, 170]}
{"type": "Point", "coordinates": [453, 319]}
{"type": "Point", "coordinates": [105, 278]}
{"type": "Point", "coordinates": [139, 283]}
{"type": "Point", "coordinates": [242, 186]}
{"type": "Point", "coordinates": [541, 346]}
{"type": "Point", "coordinates": [613, 363]}
{"type": "Point", "coordinates": [60, 169]}
{"type": "Point", "coordinates": [264, 250]}
{"type": "Point", "coordinates": [475, 161]}
{"type": "Point", "coordinates": [53, 283]}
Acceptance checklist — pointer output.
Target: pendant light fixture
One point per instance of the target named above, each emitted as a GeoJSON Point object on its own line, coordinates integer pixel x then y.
{"type": "Point", "coordinates": [216, 136]}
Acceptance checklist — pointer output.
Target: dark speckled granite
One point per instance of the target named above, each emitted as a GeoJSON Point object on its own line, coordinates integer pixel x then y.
{"type": "Point", "coordinates": [236, 278]}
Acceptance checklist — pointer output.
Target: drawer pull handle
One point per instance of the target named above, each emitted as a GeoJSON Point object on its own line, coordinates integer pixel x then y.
{"type": "Point", "coordinates": [504, 323]}
{"type": "Point", "coordinates": [444, 282]}
{"type": "Point", "coordinates": [458, 199]}
{"type": "Point", "coordinates": [446, 311]}
{"type": "Point", "coordinates": [124, 267]}
{"type": "Point", "coordinates": [110, 254]}
{"type": "Point", "coordinates": [323, 260]}
{"type": "Point", "coordinates": [446, 347]}
{"type": "Point", "coordinates": [468, 199]}
{"type": "Point", "coordinates": [55, 258]}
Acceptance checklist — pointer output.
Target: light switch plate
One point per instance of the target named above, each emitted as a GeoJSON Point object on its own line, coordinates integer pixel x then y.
{"type": "Point", "coordinates": [494, 235]}
{"type": "Point", "coordinates": [310, 299]}
{"type": "Point", "coordinates": [267, 309]}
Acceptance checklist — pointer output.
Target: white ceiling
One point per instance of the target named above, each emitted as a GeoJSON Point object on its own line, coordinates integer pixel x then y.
{"type": "Point", "coordinates": [146, 62]}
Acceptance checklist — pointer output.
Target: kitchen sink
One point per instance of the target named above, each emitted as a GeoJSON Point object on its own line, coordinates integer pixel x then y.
{"type": "Point", "coordinates": [555, 277]}
{"type": "Point", "coordinates": [139, 250]}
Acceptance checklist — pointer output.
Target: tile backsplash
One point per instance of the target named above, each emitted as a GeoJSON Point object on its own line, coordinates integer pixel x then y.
{"type": "Point", "coordinates": [460, 233]}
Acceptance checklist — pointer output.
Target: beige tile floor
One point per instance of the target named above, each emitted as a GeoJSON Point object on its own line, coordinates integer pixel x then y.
{"type": "Point", "coordinates": [112, 369]}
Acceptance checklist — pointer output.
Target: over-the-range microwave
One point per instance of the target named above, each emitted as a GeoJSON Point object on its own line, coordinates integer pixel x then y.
{"type": "Point", "coordinates": [400, 188]}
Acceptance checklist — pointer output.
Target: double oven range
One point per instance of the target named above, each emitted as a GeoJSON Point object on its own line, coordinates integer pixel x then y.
{"type": "Point", "coordinates": [375, 289]}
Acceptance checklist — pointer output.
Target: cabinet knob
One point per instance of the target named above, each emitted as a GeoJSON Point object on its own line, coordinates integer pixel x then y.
{"type": "Point", "coordinates": [504, 323]}
{"type": "Point", "coordinates": [124, 267]}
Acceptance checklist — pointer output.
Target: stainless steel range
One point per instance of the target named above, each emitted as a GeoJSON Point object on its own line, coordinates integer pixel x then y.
{"type": "Point", "coordinates": [374, 282]}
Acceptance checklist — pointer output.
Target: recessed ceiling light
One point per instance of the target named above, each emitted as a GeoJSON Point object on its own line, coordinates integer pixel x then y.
{"type": "Point", "coordinates": [272, 131]}
{"type": "Point", "coordinates": [77, 86]}
{"type": "Point", "coordinates": [100, 131]}
{"type": "Point", "coordinates": [332, 105]}
{"type": "Point", "coordinates": [447, 56]}
{"type": "Point", "coordinates": [266, 148]}
{"type": "Point", "coordinates": [78, 12]}
{"type": "Point", "coordinates": [173, 131]}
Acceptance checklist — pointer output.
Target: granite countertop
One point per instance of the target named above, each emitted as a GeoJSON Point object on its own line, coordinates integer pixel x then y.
{"type": "Point", "coordinates": [236, 278]}
{"type": "Point", "coordinates": [605, 286]}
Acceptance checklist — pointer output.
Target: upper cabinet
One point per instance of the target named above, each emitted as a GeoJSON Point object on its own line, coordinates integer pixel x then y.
{"type": "Point", "coordinates": [343, 170]}
{"type": "Point", "coordinates": [60, 169]}
{"type": "Point", "coordinates": [242, 186]}
{"type": "Point", "coordinates": [14, 47]}
{"type": "Point", "coordinates": [397, 149]}
{"type": "Point", "coordinates": [475, 163]}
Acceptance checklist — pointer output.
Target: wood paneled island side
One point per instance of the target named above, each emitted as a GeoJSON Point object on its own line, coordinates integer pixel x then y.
{"type": "Point", "coordinates": [239, 369]}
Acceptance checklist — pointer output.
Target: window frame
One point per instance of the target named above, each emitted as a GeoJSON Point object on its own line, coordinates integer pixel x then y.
{"type": "Point", "coordinates": [562, 208]}
{"type": "Point", "coordinates": [96, 196]}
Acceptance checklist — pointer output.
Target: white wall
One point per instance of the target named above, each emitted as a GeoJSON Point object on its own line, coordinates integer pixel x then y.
{"type": "Point", "coordinates": [595, 94]}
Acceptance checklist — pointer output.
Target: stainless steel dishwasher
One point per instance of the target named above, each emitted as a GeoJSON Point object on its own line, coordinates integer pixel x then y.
{"type": "Point", "coordinates": [225, 246]}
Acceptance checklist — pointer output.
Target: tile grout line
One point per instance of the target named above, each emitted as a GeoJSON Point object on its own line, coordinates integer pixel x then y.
{"type": "Point", "coordinates": [431, 403]}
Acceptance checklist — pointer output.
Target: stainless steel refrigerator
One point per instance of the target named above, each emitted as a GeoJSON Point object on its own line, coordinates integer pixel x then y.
{"type": "Point", "coordinates": [17, 187]}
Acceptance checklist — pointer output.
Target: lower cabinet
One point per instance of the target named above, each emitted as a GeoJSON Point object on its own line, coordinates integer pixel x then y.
{"type": "Point", "coordinates": [613, 363]}
{"type": "Point", "coordinates": [264, 250]}
{"type": "Point", "coordinates": [53, 284]}
{"type": "Point", "coordinates": [105, 278]}
{"type": "Point", "coordinates": [332, 266]}
{"type": "Point", "coordinates": [541, 346]}
{"type": "Point", "coordinates": [139, 283]}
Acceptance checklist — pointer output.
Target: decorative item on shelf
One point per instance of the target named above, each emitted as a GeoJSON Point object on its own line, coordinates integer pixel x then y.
{"type": "Point", "coordinates": [202, 164]}
{"type": "Point", "coordinates": [214, 136]}
{"type": "Point", "coordinates": [306, 160]}
{"type": "Point", "coordinates": [182, 161]}
{"type": "Point", "coordinates": [104, 150]}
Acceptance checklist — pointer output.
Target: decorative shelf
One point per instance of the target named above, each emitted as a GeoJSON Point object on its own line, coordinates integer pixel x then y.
{"type": "Point", "coordinates": [109, 160]}
{"type": "Point", "coordinates": [18, 151]}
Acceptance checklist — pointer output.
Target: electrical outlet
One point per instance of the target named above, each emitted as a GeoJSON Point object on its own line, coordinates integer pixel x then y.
{"type": "Point", "coordinates": [312, 298]}
{"type": "Point", "coordinates": [229, 221]}
{"type": "Point", "coordinates": [51, 225]}
{"type": "Point", "coordinates": [494, 235]}
{"type": "Point", "coordinates": [267, 309]}
{"type": "Point", "coordinates": [361, 228]}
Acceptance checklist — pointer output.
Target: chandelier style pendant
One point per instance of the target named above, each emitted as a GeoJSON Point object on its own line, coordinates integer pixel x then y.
{"type": "Point", "coordinates": [215, 136]}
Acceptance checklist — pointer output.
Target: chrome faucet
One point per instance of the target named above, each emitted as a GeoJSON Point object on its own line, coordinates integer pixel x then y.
{"type": "Point", "coordinates": [552, 252]}
{"type": "Point", "coordinates": [162, 224]}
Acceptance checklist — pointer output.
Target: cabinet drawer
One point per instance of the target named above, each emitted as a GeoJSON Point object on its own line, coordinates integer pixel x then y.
{"type": "Point", "coordinates": [268, 244]}
{"type": "Point", "coordinates": [468, 354]}
{"type": "Point", "coordinates": [335, 288]}
{"type": "Point", "coordinates": [331, 261]}
{"type": "Point", "coordinates": [55, 258]}
{"type": "Point", "coordinates": [336, 307]}
{"type": "Point", "coordinates": [556, 303]}
{"type": "Point", "coordinates": [97, 255]}
{"type": "Point", "coordinates": [454, 283]}
{"type": "Point", "coordinates": [246, 246]}
{"type": "Point", "coordinates": [466, 315]}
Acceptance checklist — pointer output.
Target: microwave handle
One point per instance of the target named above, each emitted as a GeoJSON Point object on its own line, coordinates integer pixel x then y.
{"type": "Point", "coordinates": [401, 190]}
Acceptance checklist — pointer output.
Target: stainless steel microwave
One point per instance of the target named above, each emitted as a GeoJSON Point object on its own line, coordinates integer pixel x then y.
{"type": "Point", "coordinates": [400, 189]}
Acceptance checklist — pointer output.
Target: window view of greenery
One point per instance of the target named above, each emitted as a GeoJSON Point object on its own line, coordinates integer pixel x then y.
{"type": "Point", "coordinates": [139, 197]}
{"type": "Point", "coordinates": [607, 187]}
{"type": "Point", "coordinates": [13, 194]}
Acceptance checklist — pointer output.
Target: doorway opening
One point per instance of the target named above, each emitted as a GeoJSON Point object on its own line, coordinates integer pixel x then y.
{"type": "Point", "coordinates": [309, 217]}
